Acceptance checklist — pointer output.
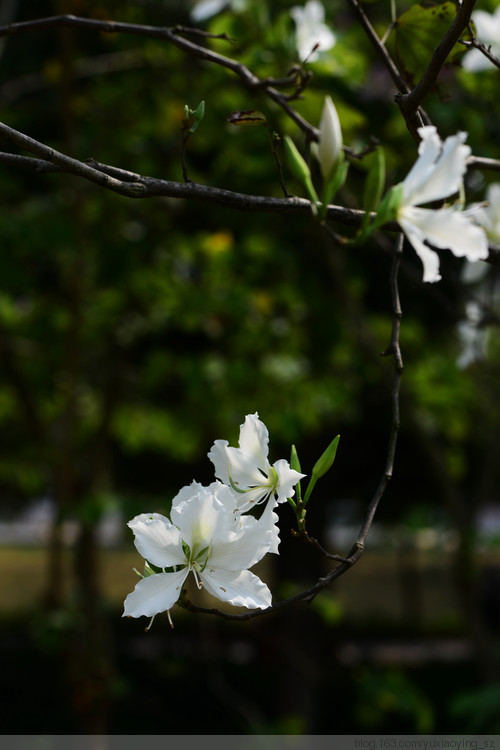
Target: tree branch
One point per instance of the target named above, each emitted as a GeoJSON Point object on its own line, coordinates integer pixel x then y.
{"type": "Point", "coordinates": [358, 548]}
{"type": "Point", "coordinates": [416, 119]}
{"type": "Point", "coordinates": [409, 103]}
{"type": "Point", "coordinates": [132, 185]}
{"type": "Point", "coordinates": [172, 36]}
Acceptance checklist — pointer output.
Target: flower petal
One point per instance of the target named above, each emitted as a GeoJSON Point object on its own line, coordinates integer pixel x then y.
{"type": "Point", "coordinates": [439, 170]}
{"type": "Point", "coordinates": [429, 149]}
{"type": "Point", "coordinates": [241, 549]}
{"type": "Point", "coordinates": [444, 228]}
{"type": "Point", "coordinates": [200, 519]}
{"type": "Point", "coordinates": [157, 540]}
{"type": "Point", "coordinates": [242, 588]}
{"type": "Point", "coordinates": [287, 479]}
{"type": "Point", "coordinates": [155, 594]}
{"type": "Point", "coordinates": [187, 492]}
{"type": "Point", "coordinates": [254, 441]}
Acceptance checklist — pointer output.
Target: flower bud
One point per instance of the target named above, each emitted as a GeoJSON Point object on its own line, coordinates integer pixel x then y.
{"type": "Point", "coordinates": [330, 139]}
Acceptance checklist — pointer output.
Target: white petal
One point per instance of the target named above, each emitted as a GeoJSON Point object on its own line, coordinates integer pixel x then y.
{"type": "Point", "coordinates": [449, 171]}
{"type": "Point", "coordinates": [444, 228]}
{"type": "Point", "coordinates": [186, 493]}
{"type": "Point", "coordinates": [429, 149]}
{"type": "Point", "coordinates": [244, 472]}
{"type": "Point", "coordinates": [157, 540]}
{"type": "Point", "coordinates": [243, 548]}
{"type": "Point", "coordinates": [287, 479]}
{"type": "Point", "coordinates": [200, 519]}
{"type": "Point", "coordinates": [435, 176]}
{"type": "Point", "coordinates": [242, 589]}
{"type": "Point", "coordinates": [269, 519]}
{"type": "Point", "coordinates": [204, 9]}
{"type": "Point", "coordinates": [219, 457]}
{"type": "Point", "coordinates": [155, 594]}
{"type": "Point", "coordinates": [254, 440]}
{"type": "Point", "coordinates": [429, 258]}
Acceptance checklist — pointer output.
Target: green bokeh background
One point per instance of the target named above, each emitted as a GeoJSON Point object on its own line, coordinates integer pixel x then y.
{"type": "Point", "coordinates": [135, 333]}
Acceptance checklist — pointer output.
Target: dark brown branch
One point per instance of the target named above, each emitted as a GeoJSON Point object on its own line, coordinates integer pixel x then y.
{"type": "Point", "coordinates": [133, 185]}
{"type": "Point", "coordinates": [409, 103]}
{"type": "Point", "coordinates": [393, 350]}
{"type": "Point", "coordinates": [170, 35]}
{"type": "Point", "coordinates": [414, 119]}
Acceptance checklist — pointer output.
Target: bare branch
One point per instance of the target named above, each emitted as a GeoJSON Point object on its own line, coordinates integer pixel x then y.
{"type": "Point", "coordinates": [474, 43]}
{"type": "Point", "coordinates": [172, 36]}
{"type": "Point", "coordinates": [409, 103]}
{"type": "Point", "coordinates": [415, 119]}
{"type": "Point", "coordinates": [133, 185]}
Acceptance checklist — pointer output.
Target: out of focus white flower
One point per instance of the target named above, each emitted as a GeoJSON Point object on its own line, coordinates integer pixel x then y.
{"type": "Point", "coordinates": [473, 336]}
{"type": "Point", "coordinates": [311, 30]}
{"type": "Point", "coordinates": [488, 216]}
{"type": "Point", "coordinates": [488, 32]}
{"type": "Point", "coordinates": [204, 9]}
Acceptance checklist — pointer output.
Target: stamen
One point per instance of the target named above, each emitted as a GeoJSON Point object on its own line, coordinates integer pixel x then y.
{"type": "Point", "coordinates": [150, 623]}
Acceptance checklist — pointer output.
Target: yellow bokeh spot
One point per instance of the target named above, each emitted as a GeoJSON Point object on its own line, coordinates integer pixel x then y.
{"type": "Point", "coordinates": [219, 242]}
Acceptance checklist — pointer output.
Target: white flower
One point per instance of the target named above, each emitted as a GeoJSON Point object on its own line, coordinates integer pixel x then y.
{"type": "Point", "coordinates": [488, 216]}
{"type": "Point", "coordinates": [200, 538]}
{"type": "Point", "coordinates": [488, 32]}
{"type": "Point", "coordinates": [437, 174]}
{"type": "Point", "coordinates": [330, 138]}
{"type": "Point", "coordinates": [247, 469]}
{"type": "Point", "coordinates": [205, 9]}
{"type": "Point", "coordinates": [268, 520]}
{"type": "Point", "coordinates": [311, 30]}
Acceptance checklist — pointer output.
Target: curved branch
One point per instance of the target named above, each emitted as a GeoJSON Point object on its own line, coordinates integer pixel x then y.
{"type": "Point", "coordinates": [415, 119]}
{"type": "Point", "coordinates": [409, 103]}
{"type": "Point", "coordinates": [358, 548]}
{"type": "Point", "coordinates": [172, 36]}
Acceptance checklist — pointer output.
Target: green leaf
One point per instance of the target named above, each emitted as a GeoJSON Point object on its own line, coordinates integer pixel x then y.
{"type": "Point", "coordinates": [388, 209]}
{"type": "Point", "coordinates": [418, 32]}
{"type": "Point", "coordinates": [197, 115]}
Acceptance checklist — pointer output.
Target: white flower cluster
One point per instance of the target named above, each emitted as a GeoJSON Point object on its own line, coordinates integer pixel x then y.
{"type": "Point", "coordinates": [209, 533]}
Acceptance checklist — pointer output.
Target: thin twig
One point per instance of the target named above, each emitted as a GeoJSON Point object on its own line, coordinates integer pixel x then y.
{"type": "Point", "coordinates": [414, 119]}
{"type": "Point", "coordinates": [410, 102]}
{"type": "Point", "coordinates": [168, 35]}
{"type": "Point", "coordinates": [474, 43]}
